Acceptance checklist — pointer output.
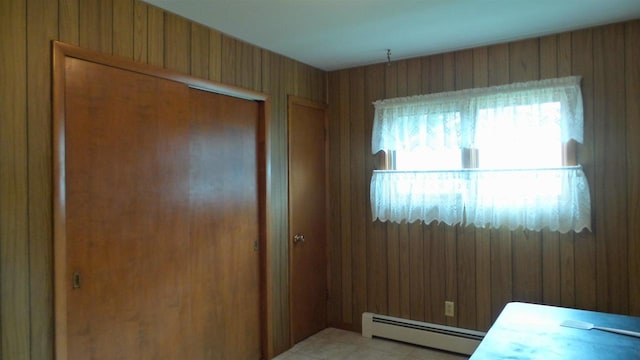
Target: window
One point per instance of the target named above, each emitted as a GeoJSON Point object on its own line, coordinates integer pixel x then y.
{"type": "Point", "coordinates": [489, 157]}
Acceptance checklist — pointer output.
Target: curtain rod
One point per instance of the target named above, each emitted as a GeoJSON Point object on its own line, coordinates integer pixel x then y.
{"type": "Point", "coordinates": [572, 167]}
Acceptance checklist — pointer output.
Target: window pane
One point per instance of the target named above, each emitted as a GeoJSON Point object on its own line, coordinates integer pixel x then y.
{"type": "Point", "coordinates": [525, 136]}
{"type": "Point", "coordinates": [428, 159]}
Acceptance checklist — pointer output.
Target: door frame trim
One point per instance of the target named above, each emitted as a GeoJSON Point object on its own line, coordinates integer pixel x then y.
{"type": "Point", "coordinates": [292, 99]}
{"type": "Point", "coordinates": [61, 51]}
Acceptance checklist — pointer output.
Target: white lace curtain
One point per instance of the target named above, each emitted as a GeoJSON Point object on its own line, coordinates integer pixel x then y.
{"type": "Point", "coordinates": [450, 119]}
{"type": "Point", "coordinates": [555, 198]}
{"type": "Point", "coordinates": [534, 199]}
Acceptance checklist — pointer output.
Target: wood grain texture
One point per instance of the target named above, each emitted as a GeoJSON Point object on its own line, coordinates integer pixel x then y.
{"type": "Point", "coordinates": [358, 193]}
{"type": "Point", "coordinates": [239, 64]}
{"type": "Point", "coordinates": [177, 34]}
{"type": "Point", "coordinates": [15, 329]}
{"type": "Point", "coordinates": [611, 187]}
{"type": "Point", "coordinates": [215, 57]}
{"type": "Point", "coordinates": [135, 30]}
{"type": "Point", "coordinates": [96, 25]}
{"type": "Point", "coordinates": [123, 27]}
{"type": "Point", "coordinates": [69, 16]}
{"type": "Point", "coordinates": [199, 51]}
{"type": "Point", "coordinates": [334, 305]}
{"type": "Point", "coordinates": [273, 74]}
{"type": "Point", "coordinates": [42, 27]}
{"type": "Point", "coordinates": [345, 197]}
{"type": "Point", "coordinates": [140, 31]}
{"type": "Point", "coordinates": [588, 270]}
{"type": "Point", "coordinates": [632, 81]}
{"type": "Point", "coordinates": [584, 247]}
{"type": "Point", "coordinates": [155, 36]}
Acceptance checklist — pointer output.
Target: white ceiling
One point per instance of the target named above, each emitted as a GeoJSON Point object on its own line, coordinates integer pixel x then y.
{"type": "Point", "coordinates": [337, 34]}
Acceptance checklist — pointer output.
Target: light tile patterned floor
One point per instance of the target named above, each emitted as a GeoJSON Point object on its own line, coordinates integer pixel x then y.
{"type": "Point", "coordinates": [346, 345]}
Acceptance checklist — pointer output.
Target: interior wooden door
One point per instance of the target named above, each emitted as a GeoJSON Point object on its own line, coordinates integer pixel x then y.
{"type": "Point", "coordinates": [160, 219]}
{"type": "Point", "coordinates": [307, 218]}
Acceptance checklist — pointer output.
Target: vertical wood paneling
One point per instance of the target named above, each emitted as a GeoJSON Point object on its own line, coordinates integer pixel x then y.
{"type": "Point", "coordinates": [123, 27]}
{"type": "Point", "coordinates": [273, 83]}
{"type": "Point", "coordinates": [177, 43]}
{"type": "Point", "coordinates": [15, 328]}
{"type": "Point", "coordinates": [376, 231]}
{"type": "Point", "coordinates": [548, 57]}
{"type": "Point", "coordinates": [42, 27]}
{"type": "Point", "coordinates": [199, 51]}
{"type": "Point", "coordinates": [345, 197]}
{"type": "Point", "coordinates": [524, 61]}
{"type": "Point", "coordinates": [96, 25]}
{"type": "Point", "coordinates": [632, 87]}
{"type": "Point", "coordinates": [414, 77]}
{"type": "Point", "coordinates": [68, 21]}
{"type": "Point", "coordinates": [155, 33]}
{"type": "Point", "coordinates": [404, 274]}
{"type": "Point", "coordinates": [611, 187]}
{"type": "Point", "coordinates": [238, 63]}
{"type": "Point", "coordinates": [140, 29]}
{"type": "Point", "coordinates": [215, 50]}
{"type": "Point", "coordinates": [359, 200]}
{"type": "Point", "coordinates": [550, 268]}
{"type": "Point", "coordinates": [334, 311]}
{"type": "Point", "coordinates": [451, 264]}
{"type": "Point", "coordinates": [437, 268]}
{"type": "Point", "coordinates": [584, 244]}
{"type": "Point", "coordinates": [393, 269]}
{"type": "Point", "coordinates": [416, 272]}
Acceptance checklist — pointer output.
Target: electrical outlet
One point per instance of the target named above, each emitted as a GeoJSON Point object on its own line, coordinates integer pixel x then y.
{"type": "Point", "coordinates": [449, 308]}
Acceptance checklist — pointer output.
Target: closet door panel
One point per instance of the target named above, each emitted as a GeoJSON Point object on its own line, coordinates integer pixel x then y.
{"type": "Point", "coordinates": [127, 150]}
{"type": "Point", "coordinates": [161, 219]}
{"type": "Point", "coordinates": [224, 225]}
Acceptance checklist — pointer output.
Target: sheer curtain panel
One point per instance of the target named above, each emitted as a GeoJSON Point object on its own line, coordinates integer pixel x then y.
{"type": "Point", "coordinates": [524, 194]}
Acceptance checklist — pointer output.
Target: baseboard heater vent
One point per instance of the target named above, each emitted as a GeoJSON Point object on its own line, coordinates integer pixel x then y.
{"type": "Point", "coordinates": [435, 336]}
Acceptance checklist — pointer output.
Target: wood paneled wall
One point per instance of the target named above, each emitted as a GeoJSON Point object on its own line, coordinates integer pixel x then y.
{"type": "Point", "coordinates": [141, 32]}
{"type": "Point", "coordinates": [409, 270]}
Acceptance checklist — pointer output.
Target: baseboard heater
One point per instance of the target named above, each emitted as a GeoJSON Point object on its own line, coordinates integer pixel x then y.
{"type": "Point", "coordinates": [435, 336]}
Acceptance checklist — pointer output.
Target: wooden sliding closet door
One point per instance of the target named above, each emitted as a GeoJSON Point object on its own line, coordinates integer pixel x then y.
{"type": "Point", "coordinates": [161, 222]}
{"type": "Point", "coordinates": [224, 225]}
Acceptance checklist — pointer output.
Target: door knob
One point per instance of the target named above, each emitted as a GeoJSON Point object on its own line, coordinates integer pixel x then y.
{"type": "Point", "coordinates": [298, 238]}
